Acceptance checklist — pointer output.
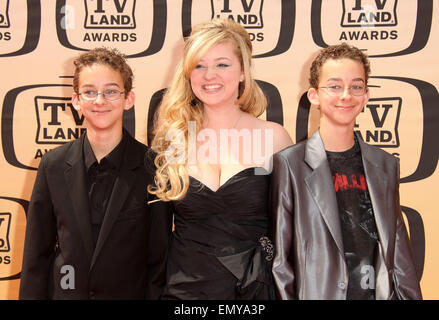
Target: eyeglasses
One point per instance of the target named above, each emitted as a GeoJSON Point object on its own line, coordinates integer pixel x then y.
{"type": "Point", "coordinates": [109, 94]}
{"type": "Point", "coordinates": [336, 90]}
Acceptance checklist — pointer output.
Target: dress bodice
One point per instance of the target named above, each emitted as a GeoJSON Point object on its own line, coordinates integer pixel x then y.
{"type": "Point", "coordinates": [217, 238]}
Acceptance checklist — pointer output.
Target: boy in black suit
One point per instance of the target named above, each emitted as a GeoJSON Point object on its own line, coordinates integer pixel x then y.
{"type": "Point", "coordinates": [90, 232]}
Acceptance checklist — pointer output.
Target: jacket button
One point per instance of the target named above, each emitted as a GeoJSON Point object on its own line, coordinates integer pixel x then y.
{"type": "Point", "coordinates": [342, 285]}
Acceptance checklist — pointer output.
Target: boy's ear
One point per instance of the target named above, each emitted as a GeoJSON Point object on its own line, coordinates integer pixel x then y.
{"type": "Point", "coordinates": [313, 96]}
{"type": "Point", "coordinates": [75, 101]}
{"type": "Point", "coordinates": [129, 100]}
{"type": "Point", "coordinates": [367, 96]}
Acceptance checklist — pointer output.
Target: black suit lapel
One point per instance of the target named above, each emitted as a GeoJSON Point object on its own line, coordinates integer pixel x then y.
{"type": "Point", "coordinates": [121, 189]}
{"type": "Point", "coordinates": [76, 183]}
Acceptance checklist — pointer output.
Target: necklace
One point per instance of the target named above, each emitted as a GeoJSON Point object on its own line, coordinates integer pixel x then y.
{"type": "Point", "coordinates": [237, 120]}
{"type": "Point", "coordinates": [234, 126]}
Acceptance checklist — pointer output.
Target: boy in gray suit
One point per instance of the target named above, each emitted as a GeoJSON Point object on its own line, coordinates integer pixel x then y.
{"type": "Point", "coordinates": [337, 222]}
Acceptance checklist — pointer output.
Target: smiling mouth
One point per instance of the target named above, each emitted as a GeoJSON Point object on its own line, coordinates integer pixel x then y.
{"type": "Point", "coordinates": [211, 87]}
{"type": "Point", "coordinates": [345, 107]}
{"type": "Point", "coordinates": [100, 112]}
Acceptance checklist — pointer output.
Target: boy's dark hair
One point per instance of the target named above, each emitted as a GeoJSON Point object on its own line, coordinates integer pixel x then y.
{"type": "Point", "coordinates": [336, 52]}
{"type": "Point", "coordinates": [104, 56]}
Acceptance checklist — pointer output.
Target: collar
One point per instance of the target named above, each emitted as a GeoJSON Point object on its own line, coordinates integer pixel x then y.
{"type": "Point", "coordinates": [114, 158]}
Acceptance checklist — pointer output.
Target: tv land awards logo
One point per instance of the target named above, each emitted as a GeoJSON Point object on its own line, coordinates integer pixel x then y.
{"type": "Point", "coordinates": [82, 25]}
{"type": "Point", "coordinates": [5, 222]}
{"type": "Point", "coordinates": [12, 227]}
{"type": "Point", "coordinates": [12, 32]}
{"type": "Point", "coordinates": [53, 113]}
{"type": "Point", "coordinates": [116, 14]}
{"type": "Point", "coordinates": [268, 39]}
{"type": "Point", "coordinates": [5, 244]}
{"type": "Point", "coordinates": [369, 20]}
{"type": "Point", "coordinates": [4, 14]}
{"type": "Point", "coordinates": [246, 12]}
{"type": "Point", "coordinates": [54, 122]}
{"type": "Point", "coordinates": [384, 27]}
{"type": "Point", "coordinates": [361, 13]}
{"type": "Point", "coordinates": [380, 121]}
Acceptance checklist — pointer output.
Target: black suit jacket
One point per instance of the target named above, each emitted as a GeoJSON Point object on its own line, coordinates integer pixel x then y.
{"type": "Point", "coordinates": [129, 260]}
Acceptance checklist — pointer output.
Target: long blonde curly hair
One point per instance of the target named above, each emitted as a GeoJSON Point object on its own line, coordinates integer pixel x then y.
{"type": "Point", "coordinates": [180, 105]}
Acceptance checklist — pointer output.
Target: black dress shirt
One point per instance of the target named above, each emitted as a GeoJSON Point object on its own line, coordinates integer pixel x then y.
{"type": "Point", "coordinates": [101, 177]}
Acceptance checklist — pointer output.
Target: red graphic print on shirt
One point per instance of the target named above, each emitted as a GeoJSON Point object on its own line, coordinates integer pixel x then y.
{"type": "Point", "coordinates": [343, 183]}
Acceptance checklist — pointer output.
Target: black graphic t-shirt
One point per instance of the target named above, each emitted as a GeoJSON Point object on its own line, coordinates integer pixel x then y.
{"type": "Point", "coordinates": [360, 237]}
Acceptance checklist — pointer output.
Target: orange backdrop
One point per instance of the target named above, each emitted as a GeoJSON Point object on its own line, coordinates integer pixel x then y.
{"type": "Point", "coordinates": [38, 40]}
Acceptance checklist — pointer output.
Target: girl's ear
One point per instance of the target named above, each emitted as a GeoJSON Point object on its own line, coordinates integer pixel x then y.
{"type": "Point", "coordinates": [242, 76]}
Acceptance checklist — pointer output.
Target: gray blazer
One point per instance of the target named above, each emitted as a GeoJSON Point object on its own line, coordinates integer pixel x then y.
{"type": "Point", "coordinates": [309, 261]}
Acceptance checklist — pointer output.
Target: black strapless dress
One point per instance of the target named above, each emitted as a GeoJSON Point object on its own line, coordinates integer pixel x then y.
{"type": "Point", "coordinates": [219, 249]}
